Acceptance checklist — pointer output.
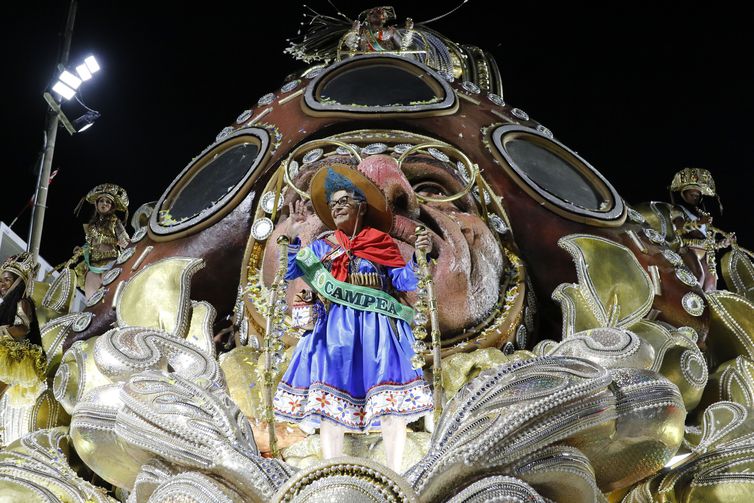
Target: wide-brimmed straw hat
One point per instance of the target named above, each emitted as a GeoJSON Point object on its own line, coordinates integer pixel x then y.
{"type": "Point", "coordinates": [378, 213]}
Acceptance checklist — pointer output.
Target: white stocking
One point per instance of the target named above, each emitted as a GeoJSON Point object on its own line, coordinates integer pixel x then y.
{"type": "Point", "coordinates": [331, 439]}
{"type": "Point", "coordinates": [394, 438]}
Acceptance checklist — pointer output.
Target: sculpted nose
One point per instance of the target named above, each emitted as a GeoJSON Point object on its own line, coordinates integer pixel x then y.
{"type": "Point", "coordinates": [385, 172]}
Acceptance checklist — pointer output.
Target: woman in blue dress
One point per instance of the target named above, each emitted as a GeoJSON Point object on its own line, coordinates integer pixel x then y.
{"type": "Point", "coordinates": [352, 371]}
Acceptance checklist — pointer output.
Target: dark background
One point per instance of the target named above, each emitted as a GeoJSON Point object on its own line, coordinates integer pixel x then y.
{"type": "Point", "coordinates": [640, 90]}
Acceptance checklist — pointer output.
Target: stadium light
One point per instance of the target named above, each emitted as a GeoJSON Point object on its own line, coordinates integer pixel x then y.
{"type": "Point", "coordinates": [68, 87]}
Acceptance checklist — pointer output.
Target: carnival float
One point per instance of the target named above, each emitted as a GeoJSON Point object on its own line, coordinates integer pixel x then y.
{"type": "Point", "coordinates": [553, 342]}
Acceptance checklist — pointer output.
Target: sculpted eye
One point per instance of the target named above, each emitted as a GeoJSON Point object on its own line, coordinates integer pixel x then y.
{"type": "Point", "coordinates": [431, 188]}
{"type": "Point", "coordinates": [379, 84]}
{"type": "Point", "coordinates": [434, 180]}
{"type": "Point", "coordinates": [212, 184]}
{"type": "Point", "coordinates": [556, 177]}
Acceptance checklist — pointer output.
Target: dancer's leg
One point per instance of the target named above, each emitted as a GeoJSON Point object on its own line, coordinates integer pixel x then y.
{"type": "Point", "coordinates": [331, 439]}
{"type": "Point", "coordinates": [394, 438]}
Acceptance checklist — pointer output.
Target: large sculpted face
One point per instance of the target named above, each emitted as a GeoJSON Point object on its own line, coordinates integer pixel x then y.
{"type": "Point", "coordinates": [530, 192]}
{"type": "Point", "coordinates": [469, 262]}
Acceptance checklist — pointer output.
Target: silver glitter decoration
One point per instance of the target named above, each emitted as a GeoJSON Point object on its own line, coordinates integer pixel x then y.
{"type": "Point", "coordinates": [262, 228]}
{"type": "Point", "coordinates": [312, 155]}
{"type": "Point", "coordinates": [268, 201]}
{"type": "Point", "coordinates": [502, 489]}
{"type": "Point", "coordinates": [545, 131]}
{"type": "Point", "coordinates": [345, 151]}
{"type": "Point", "coordinates": [374, 148]}
{"type": "Point", "coordinates": [693, 304]}
{"type": "Point", "coordinates": [266, 99]}
{"type": "Point", "coordinates": [470, 87]}
{"type": "Point", "coordinates": [497, 223]}
{"type": "Point", "coordinates": [96, 297]}
{"type": "Point", "coordinates": [487, 198]}
{"type": "Point", "coordinates": [315, 73]}
{"type": "Point", "coordinates": [139, 235]}
{"type": "Point", "coordinates": [225, 132]}
{"type": "Point", "coordinates": [521, 336]}
{"type": "Point", "coordinates": [245, 115]}
{"type": "Point", "coordinates": [82, 322]}
{"type": "Point", "coordinates": [402, 148]}
{"type": "Point", "coordinates": [462, 171]}
{"type": "Point", "coordinates": [438, 154]}
{"type": "Point", "coordinates": [520, 114]}
{"type": "Point", "coordinates": [293, 169]}
{"type": "Point", "coordinates": [125, 255]}
{"type": "Point", "coordinates": [689, 332]}
{"type": "Point", "coordinates": [686, 276]}
{"type": "Point", "coordinates": [110, 275]}
{"type": "Point", "coordinates": [497, 100]}
{"type": "Point", "coordinates": [635, 216]}
{"type": "Point", "coordinates": [672, 257]}
{"type": "Point", "coordinates": [654, 236]}
{"type": "Point", "coordinates": [694, 368]}
{"type": "Point", "coordinates": [447, 76]}
{"type": "Point", "coordinates": [290, 86]}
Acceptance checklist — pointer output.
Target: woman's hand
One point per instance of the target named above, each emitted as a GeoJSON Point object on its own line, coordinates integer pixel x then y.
{"type": "Point", "coordinates": [297, 217]}
{"type": "Point", "coordinates": [423, 241]}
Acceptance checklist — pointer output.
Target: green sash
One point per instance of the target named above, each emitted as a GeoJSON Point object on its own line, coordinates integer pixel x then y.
{"type": "Point", "coordinates": [357, 297]}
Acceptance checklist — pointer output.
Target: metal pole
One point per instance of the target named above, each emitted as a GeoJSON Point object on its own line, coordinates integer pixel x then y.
{"type": "Point", "coordinates": [43, 182]}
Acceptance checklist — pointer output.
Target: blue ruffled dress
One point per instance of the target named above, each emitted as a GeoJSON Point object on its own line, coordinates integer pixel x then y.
{"type": "Point", "coordinates": [352, 368]}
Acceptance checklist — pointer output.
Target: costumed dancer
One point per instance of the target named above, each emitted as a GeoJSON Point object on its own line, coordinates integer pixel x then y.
{"type": "Point", "coordinates": [105, 235]}
{"type": "Point", "coordinates": [693, 224]}
{"type": "Point", "coordinates": [23, 364]}
{"type": "Point", "coordinates": [369, 33]}
{"type": "Point", "coordinates": [352, 371]}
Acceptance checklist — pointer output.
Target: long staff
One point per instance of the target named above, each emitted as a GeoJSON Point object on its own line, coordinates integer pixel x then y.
{"type": "Point", "coordinates": [426, 281]}
{"type": "Point", "coordinates": [273, 329]}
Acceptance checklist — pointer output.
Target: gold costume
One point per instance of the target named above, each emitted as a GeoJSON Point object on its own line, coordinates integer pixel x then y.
{"type": "Point", "coordinates": [105, 234]}
{"type": "Point", "coordinates": [23, 365]}
{"type": "Point", "coordinates": [693, 225]}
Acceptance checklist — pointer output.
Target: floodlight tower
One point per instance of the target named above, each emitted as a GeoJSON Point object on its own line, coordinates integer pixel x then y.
{"type": "Point", "coordinates": [40, 200]}
{"type": "Point", "coordinates": [65, 89]}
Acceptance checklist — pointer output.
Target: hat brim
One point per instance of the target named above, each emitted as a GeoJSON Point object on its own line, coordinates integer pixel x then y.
{"type": "Point", "coordinates": [116, 194]}
{"type": "Point", "coordinates": [379, 215]}
{"type": "Point", "coordinates": [92, 198]}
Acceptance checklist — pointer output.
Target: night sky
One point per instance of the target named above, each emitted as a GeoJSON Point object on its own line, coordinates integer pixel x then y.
{"type": "Point", "coordinates": [639, 91]}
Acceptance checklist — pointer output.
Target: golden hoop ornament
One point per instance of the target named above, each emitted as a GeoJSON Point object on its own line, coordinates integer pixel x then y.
{"type": "Point", "coordinates": [473, 171]}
